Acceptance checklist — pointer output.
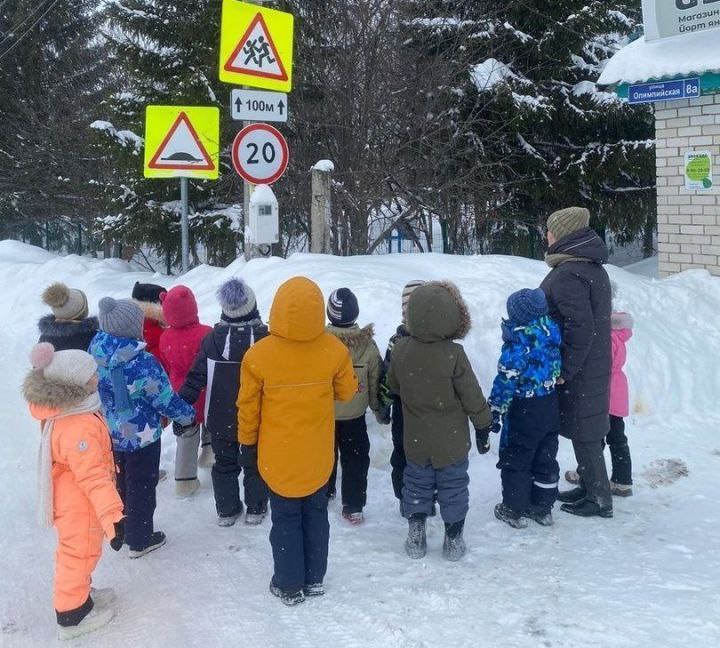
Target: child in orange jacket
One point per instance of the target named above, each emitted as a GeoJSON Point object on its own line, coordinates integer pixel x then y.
{"type": "Point", "coordinates": [289, 382]}
{"type": "Point", "coordinates": [76, 482]}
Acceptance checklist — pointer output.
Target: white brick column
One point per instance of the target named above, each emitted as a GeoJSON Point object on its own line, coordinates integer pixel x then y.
{"type": "Point", "coordinates": [688, 221]}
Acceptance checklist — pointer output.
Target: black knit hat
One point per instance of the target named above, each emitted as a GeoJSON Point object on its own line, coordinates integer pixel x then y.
{"type": "Point", "coordinates": [147, 292]}
{"type": "Point", "coordinates": [342, 308]}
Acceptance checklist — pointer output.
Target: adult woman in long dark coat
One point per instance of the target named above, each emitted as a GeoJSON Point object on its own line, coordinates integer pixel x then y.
{"type": "Point", "coordinates": [579, 296]}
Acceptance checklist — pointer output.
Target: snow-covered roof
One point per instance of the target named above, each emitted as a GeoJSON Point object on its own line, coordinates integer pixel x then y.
{"type": "Point", "coordinates": [666, 58]}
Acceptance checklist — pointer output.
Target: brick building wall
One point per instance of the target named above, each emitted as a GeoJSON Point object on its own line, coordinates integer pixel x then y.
{"type": "Point", "coordinates": [688, 221]}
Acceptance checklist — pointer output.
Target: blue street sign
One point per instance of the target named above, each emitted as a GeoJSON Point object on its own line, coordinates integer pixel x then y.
{"type": "Point", "coordinates": [666, 91]}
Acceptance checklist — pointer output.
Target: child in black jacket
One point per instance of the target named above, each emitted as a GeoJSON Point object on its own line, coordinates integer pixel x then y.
{"type": "Point", "coordinates": [217, 369]}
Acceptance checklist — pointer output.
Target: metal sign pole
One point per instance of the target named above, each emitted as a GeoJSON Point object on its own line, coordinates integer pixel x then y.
{"type": "Point", "coordinates": [250, 250]}
{"type": "Point", "coordinates": [184, 225]}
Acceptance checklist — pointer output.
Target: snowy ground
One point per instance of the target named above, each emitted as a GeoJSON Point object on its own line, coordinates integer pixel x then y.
{"type": "Point", "coordinates": [647, 578]}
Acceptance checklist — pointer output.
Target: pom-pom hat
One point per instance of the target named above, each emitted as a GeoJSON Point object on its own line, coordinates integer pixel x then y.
{"type": "Point", "coordinates": [66, 303]}
{"type": "Point", "coordinates": [72, 367]}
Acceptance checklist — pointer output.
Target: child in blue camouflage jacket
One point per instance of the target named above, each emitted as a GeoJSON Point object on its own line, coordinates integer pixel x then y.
{"type": "Point", "coordinates": [135, 392]}
{"type": "Point", "coordinates": [525, 406]}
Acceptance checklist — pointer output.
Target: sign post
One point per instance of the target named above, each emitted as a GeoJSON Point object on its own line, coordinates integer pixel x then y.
{"type": "Point", "coordinates": [256, 51]}
{"type": "Point", "coordinates": [182, 142]}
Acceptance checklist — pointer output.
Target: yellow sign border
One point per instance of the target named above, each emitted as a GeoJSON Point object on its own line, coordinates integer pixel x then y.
{"type": "Point", "coordinates": [160, 120]}
{"type": "Point", "coordinates": [237, 18]}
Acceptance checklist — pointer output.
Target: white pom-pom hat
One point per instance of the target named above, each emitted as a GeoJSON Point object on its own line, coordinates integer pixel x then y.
{"type": "Point", "coordinates": [72, 367]}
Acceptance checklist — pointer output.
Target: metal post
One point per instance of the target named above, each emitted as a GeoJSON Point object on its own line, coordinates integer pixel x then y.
{"type": "Point", "coordinates": [184, 225]}
{"type": "Point", "coordinates": [250, 250]}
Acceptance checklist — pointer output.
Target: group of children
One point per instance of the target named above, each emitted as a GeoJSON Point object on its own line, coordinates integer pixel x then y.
{"type": "Point", "coordinates": [284, 406]}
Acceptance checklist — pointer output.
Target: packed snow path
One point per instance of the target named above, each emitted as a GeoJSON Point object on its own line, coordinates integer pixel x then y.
{"type": "Point", "coordinates": [647, 578]}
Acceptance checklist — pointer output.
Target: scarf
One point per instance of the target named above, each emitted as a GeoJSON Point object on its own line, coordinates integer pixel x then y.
{"type": "Point", "coordinates": [46, 514]}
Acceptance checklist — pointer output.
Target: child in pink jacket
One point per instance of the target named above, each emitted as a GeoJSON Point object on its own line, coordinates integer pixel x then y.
{"type": "Point", "coordinates": [621, 479]}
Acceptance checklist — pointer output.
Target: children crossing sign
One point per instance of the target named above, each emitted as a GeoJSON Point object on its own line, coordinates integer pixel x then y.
{"type": "Point", "coordinates": [256, 46]}
{"type": "Point", "coordinates": [182, 142]}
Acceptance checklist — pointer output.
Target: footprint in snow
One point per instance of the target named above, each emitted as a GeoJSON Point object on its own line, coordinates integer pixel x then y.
{"type": "Point", "coordinates": [663, 472]}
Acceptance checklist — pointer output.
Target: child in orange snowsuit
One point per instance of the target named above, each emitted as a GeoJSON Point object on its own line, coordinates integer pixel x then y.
{"type": "Point", "coordinates": [76, 481]}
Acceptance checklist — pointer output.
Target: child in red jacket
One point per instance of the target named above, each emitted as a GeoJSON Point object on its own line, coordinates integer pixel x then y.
{"type": "Point", "coordinates": [179, 345]}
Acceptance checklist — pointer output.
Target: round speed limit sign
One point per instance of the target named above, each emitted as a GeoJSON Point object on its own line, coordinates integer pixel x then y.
{"type": "Point", "coordinates": [260, 154]}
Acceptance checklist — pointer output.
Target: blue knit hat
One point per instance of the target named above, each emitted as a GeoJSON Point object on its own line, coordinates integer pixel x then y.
{"type": "Point", "coordinates": [525, 306]}
{"type": "Point", "coordinates": [342, 308]}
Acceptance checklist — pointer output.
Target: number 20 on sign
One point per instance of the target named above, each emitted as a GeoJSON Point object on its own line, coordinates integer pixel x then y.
{"type": "Point", "coordinates": [260, 154]}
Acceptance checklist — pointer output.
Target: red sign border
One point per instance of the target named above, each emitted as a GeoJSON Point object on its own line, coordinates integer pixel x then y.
{"type": "Point", "coordinates": [228, 67]}
{"type": "Point", "coordinates": [158, 166]}
{"type": "Point", "coordinates": [283, 147]}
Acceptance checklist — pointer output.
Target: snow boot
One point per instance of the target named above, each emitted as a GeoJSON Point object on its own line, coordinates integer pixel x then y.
{"type": "Point", "coordinates": [207, 457]}
{"type": "Point", "coordinates": [228, 520]}
{"type": "Point", "coordinates": [157, 540]}
{"type": "Point", "coordinates": [314, 589]}
{"type": "Point", "coordinates": [416, 543]}
{"type": "Point", "coordinates": [505, 514]}
{"type": "Point", "coordinates": [454, 546]}
{"type": "Point", "coordinates": [186, 488]}
{"type": "Point", "coordinates": [355, 518]}
{"type": "Point", "coordinates": [543, 518]}
{"type": "Point", "coordinates": [288, 598]}
{"type": "Point", "coordinates": [104, 597]}
{"type": "Point", "coordinates": [255, 515]}
{"type": "Point", "coordinates": [97, 618]}
{"type": "Point", "coordinates": [589, 508]}
{"type": "Point", "coordinates": [572, 477]}
{"type": "Point", "coordinates": [573, 495]}
{"type": "Point", "coordinates": [621, 490]}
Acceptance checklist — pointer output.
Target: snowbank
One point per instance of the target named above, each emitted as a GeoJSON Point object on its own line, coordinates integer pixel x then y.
{"type": "Point", "coordinates": [486, 281]}
{"type": "Point", "coordinates": [646, 578]}
{"type": "Point", "coordinates": [666, 58]}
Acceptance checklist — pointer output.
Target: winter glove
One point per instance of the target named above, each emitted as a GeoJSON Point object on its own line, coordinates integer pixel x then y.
{"type": "Point", "coordinates": [383, 416]}
{"type": "Point", "coordinates": [481, 440]}
{"type": "Point", "coordinates": [496, 422]}
{"type": "Point", "coordinates": [117, 542]}
{"type": "Point", "coordinates": [180, 430]}
{"type": "Point", "coordinates": [248, 456]}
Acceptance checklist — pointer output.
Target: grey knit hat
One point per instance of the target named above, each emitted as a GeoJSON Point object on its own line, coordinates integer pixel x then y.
{"type": "Point", "coordinates": [121, 317]}
{"type": "Point", "coordinates": [567, 221]}
{"type": "Point", "coordinates": [66, 303]}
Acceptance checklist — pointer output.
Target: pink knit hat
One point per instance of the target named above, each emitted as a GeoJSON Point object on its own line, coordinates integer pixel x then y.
{"type": "Point", "coordinates": [179, 307]}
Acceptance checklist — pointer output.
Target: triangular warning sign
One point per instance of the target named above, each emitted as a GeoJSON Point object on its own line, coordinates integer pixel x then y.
{"type": "Point", "coordinates": [256, 53]}
{"type": "Point", "coordinates": [182, 149]}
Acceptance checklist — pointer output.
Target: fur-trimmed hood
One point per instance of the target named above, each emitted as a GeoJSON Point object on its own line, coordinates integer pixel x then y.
{"type": "Point", "coordinates": [437, 311]}
{"type": "Point", "coordinates": [353, 336]}
{"type": "Point", "coordinates": [51, 327]}
{"type": "Point", "coordinates": [152, 312]}
{"type": "Point", "coordinates": [620, 321]}
{"type": "Point", "coordinates": [57, 396]}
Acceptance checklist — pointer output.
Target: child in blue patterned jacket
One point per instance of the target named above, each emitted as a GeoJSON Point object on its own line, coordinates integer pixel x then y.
{"type": "Point", "coordinates": [135, 392]}
{"type": "Point", "coordinates": [525, 406]}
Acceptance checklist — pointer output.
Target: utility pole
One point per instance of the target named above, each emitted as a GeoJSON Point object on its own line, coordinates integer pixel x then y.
{"type": "Point", "coordinates": [320, 207]}
{"type": "Point", "coordinates": [251, 250]}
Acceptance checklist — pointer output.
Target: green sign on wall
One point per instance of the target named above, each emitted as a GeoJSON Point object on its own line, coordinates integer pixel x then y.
{"type": "Point", "coordinates": [698, 170]}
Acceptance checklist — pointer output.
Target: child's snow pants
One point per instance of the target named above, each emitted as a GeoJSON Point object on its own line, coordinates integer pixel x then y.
{"type": "Point", "coordinates": [137, 480]}
{"type": "Point", "coordinates": [353, 445]}
{"type": "Point", "coordinates": [80, 539]}
{"type": "Point", "coordinates": [451, 483]}
{"type": "Point", "coordinates": [528, 454]}
{"type": "Point", "coordinates": [299, 538]}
